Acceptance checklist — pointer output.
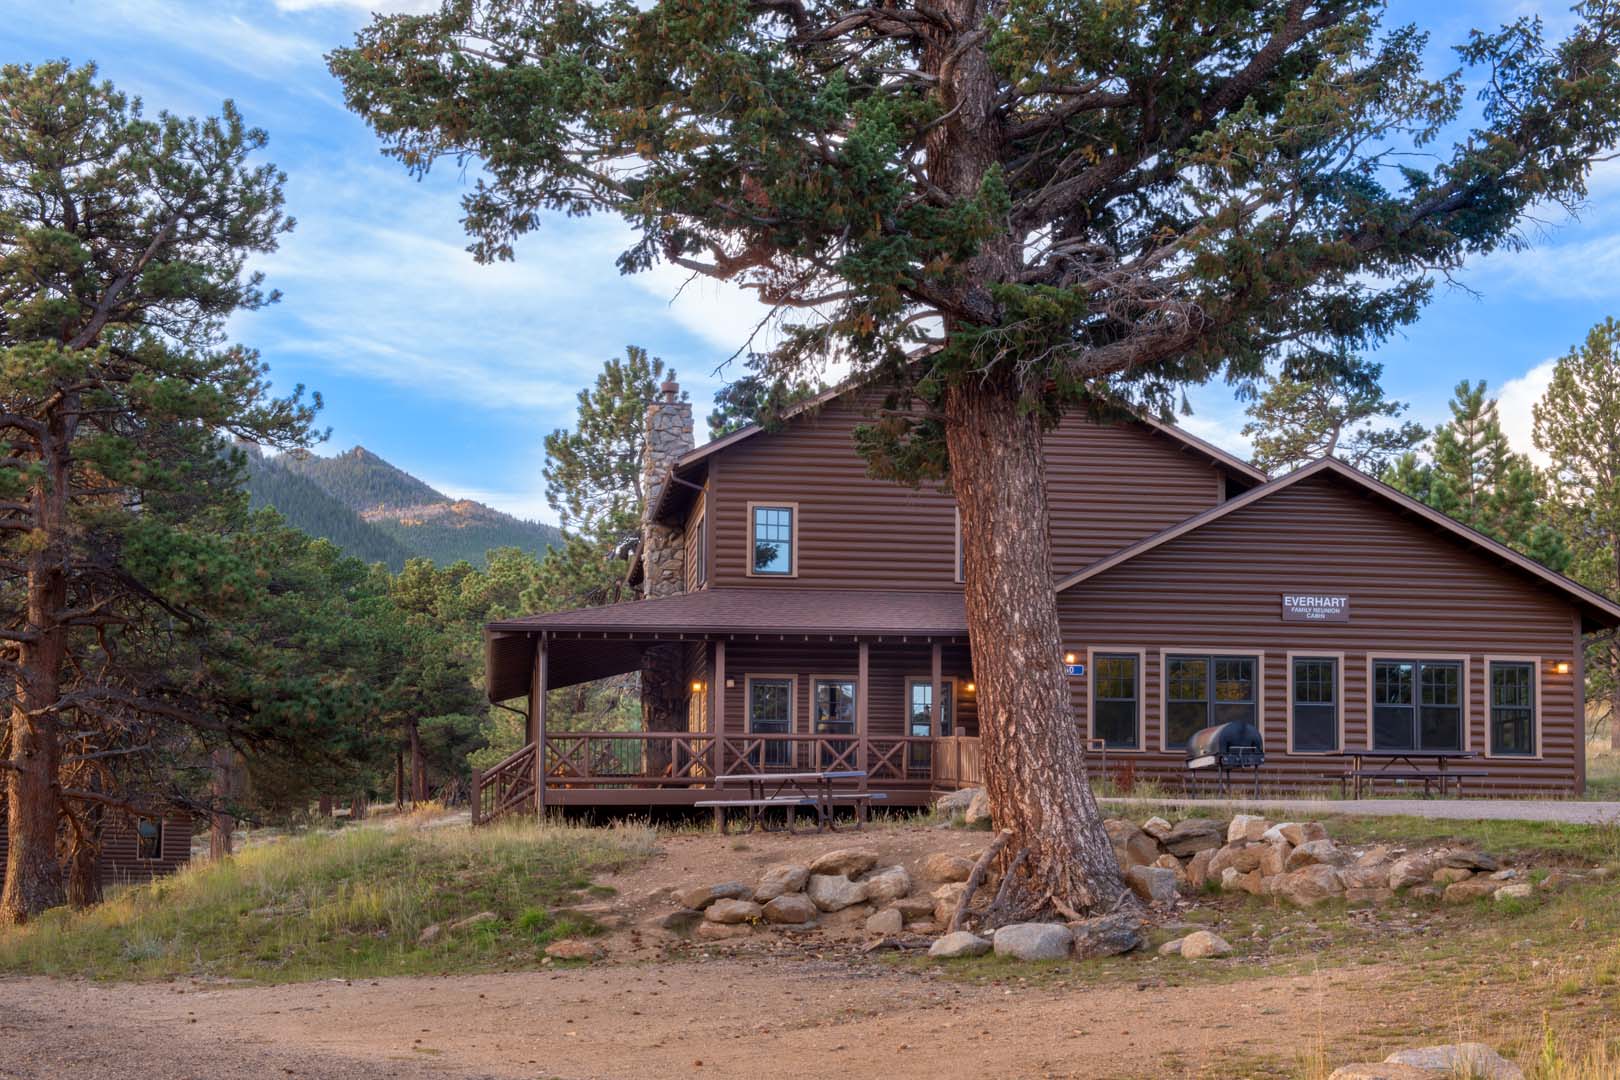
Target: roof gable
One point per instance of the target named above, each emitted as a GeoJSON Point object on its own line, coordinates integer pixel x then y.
{"type": "Point", "coordinates": [1599, 608]}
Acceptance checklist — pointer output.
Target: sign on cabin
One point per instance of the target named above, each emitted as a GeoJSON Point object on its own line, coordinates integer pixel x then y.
{"type": "Point", "coordinates": [1076, 670]}
{"type": "Point", "coordinates": [1315, 607]}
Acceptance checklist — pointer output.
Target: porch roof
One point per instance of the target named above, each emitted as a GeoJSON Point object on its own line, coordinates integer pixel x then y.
{"type": "Point", "coordinates": [609, 639]}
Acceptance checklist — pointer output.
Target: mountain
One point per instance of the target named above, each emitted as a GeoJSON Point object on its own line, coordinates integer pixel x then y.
{"type": "Point", "coordinates": [378, 512]}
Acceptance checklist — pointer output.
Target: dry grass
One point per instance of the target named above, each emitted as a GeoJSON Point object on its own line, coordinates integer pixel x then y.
{"type": "Point", "coordinates": [1602, 771]}
{"type": "Point", "coordinates": [346, 904]}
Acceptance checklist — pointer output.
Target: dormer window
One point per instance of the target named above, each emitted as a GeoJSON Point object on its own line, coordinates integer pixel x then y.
{"type": "Point", "coordinates": [772, 545]}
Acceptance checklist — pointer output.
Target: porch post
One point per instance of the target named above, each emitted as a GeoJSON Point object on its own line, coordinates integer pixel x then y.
{"type": "Point", "coordinates": [717, 705]}
{"type": "Point", "coordinates": [861, 672]}
{"type": "Point", "coordinates": [936, 708]}
{"type": "Point", "coordinates": [537, 709]}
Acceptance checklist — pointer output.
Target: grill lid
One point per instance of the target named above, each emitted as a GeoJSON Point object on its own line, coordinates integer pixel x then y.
{"type": "Point", "coordinates": [1224, 743]}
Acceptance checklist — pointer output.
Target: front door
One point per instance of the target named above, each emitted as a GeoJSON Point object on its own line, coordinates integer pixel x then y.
{"type": "Point", "coordinates": [835, 715]}
{"type": "Point", "coordinates": [920, 720]}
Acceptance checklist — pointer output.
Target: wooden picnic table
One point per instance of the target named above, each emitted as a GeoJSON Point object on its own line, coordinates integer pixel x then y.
{"type": "Point", "coordinates": [1415, 761]}
{"type": "Point", "coordinates": [792, 791]}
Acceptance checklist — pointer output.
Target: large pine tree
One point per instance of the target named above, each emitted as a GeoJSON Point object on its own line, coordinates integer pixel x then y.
{"type": "Point", "coordinates": [1337, 413]}
{"type": "Point", "coordinates": [1578, 426]}
{"type": "Point", "coordinates": [1003, 209]}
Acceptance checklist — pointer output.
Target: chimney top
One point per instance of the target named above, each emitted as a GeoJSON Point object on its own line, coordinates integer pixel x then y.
{"type": "Point", "coordinates": [671, 389]}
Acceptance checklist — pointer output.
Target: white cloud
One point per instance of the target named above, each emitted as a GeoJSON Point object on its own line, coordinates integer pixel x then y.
{"type": "Point", "coordinates": [1513, 408]}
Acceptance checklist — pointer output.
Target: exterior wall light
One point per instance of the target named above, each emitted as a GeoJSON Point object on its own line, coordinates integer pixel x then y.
{"type": "Point", "coordinates": [1070, 658]}
{"type": "Point", "coordinates": [970, 687]}
{"type": "Point", "coordinates": [697, 686]}
{"type": "Point", "coordinates": [1561, 667]}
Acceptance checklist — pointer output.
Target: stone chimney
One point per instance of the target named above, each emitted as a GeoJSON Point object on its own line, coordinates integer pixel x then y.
{"type": "Point", "coordinates": [668, 436]}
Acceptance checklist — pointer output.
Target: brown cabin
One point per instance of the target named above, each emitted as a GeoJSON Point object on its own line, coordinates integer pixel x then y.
{"type": "Point", "coordinates": [134, 850]}
{"type": "Point", "coordinates": [818, 621]}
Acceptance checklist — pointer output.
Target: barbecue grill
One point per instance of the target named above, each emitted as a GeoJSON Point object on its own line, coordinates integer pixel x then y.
{"type": "Point", "coordinates": [1218, 750]}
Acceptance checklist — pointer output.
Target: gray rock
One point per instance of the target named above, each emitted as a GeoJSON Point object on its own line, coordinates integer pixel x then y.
{"type": "Point", "coordinates": [1379, 1070]}
{"type": "Point", "coordinates": [946, 897]}
{"type": "Point", "coordinates": [959, 944]}
{"type": "Point", "coordinates": [1469, 859]}
{"type": "Point", "coordinates": [1204, 945]}
{"type": "Point", "coordinates": [1106, 935]}
{"type": "Point", "coordinates": [1415, 869]}
{"type": "Point", "coordinates": [781, 879]}
{"type": "Point", "coordinates": [1459, 1059]}
{"type": "Point", "coordinates": [889, 883]}
{"type": "Point", "coordinates": [699, 897]}
{"type": "Point", "coordinates": [1522, 891]}
{"type": "Point", "coordinates": [1314, 852]}
{"type": "Point", "coordinates": [1156, 827]}
{"type": "Point", "coordinates": [1154, 884]}
{"type": "Point", "coordinates": [885, 923]}
{"type": "Point", "coordinates": [1246, 827]}
{"type": "Point", "coordinates": [791, 909]}
{"type": "Point", "coordinates": [1034, 941]}
{"type": "Point", "coordinates": [1235, 880]}
{"type": "Point", "coordinates": [1241, 855]}
{"type": "Point", "coordinates": [978, 809]}
{"type": "Point", "coordinates": [942, 867]}
{"type": "Point", "coordinates": [1476, 888]}
{"type": "Point", "coordinates": [1450, 875]}
{"type": "Point", "coordinates": [1198, 869]}
{"type": "Point", "coordinates": [574, 949]}
{"type": "Point", "coordinates": [845, 862]}
{"type": "Point", "coordinates": [957, 801]}
{"type": "Point", "coordinates": [1191, 836]}
{"type": "Point", "coordinates": [1376, 855]}
{"type": "Point", "coordinates": [1132, 846]}
{"type": "Point", "coordinates": [1274, 858]}
{"type": "Point", "coordinates": [912, 908]}
{"type": "Point", "coordinates": [733, 911]}
{"type": "Point", "coordinates": [474, 920]}
{"type": "Point", "coordinates": [834, 892]}
{"type": "Point", "coordinates": [1171, 948]}
{"type": "Point", "coordinates": [1368, 876]}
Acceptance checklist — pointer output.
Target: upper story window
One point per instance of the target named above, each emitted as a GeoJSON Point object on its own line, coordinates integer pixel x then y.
{"type": "Point", "coordinates": [1417, 705]}
{"type": "Point", "coordinates": [772, 543]}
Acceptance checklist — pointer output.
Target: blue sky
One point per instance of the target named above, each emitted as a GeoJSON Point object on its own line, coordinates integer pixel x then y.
{"type": "Point", "coordinates": [456, 372]}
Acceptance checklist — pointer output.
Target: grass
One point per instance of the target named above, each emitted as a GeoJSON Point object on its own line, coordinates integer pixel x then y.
{"type": "Point", "coordinates": [1602, 772]}
{"type": "Point", "coordinates": [345, 904]}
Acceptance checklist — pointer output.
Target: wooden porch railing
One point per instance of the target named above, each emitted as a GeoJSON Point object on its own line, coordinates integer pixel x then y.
{"type": "Point", "coordinates": [658, 759]}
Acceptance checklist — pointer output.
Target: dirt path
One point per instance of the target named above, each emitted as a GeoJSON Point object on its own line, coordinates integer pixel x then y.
{"type": "Point", "coordinates": [739, 1019]}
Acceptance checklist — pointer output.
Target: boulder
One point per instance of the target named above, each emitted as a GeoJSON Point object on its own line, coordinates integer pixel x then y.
{"type": "Point", "coordinates": [1555, 879]}
{"type": "Point", "coordinates": [574, 949]}
{"type": "Point", "coordinates": [1358, 876]}
{"type": "Point", "coordinates": [885, 923]}
{"type": "Point", "coordinates": [1450, 875]}
{"type": "Point", "coordinates": [699, 897]}
{"type": "Point", "coordinates": [474, 920]}
{"type": "Point", "coordinates": [946, 897]}
{"type": "Point", "coordinates": [889, 883]}
{"type": "Point", "coordinates": [1380, 1070]}
{"type": "Point", "coordinates": [1171, 948]}
{"type": "Point", "coordinates": [1204, 945]}
{"type": "Point", "coordinates": [834, 892]}
{"type": "Point", "coordinates": [1106, 935]}
{"type": "Point", "coordinates": [1191, 836]}
{"type": "Point", "coordinates": [1505, 874]}
{"type": "Point", "coordinates": [844, 862]}
{"type": "Point", "coordinates": [781, 879]}
{"type": "Point", "coordinates": [1470, 859]}
{"type": "Point", "coordinates": [849, 918]}
{"type": "Point", "coordinates": [1413, 869]}
{"type": "Point", "coordinates": [1132, 846]}
{"type": "Point", "coordinates": [1274, 857]}
{"type": "Point", "coordinates": [733, 911]}
{"type": "Point", "coordinates": [1464, 892]}
{"type": "Point", "coordinates": [713, 931]}
{"type": "Point", "coordinates": [942, 867]}
{"type": "Point", "coordinates": [1424, 892]}
{"type": "Point", "coordinates": [1459, 1059]}
{"type": "Point", "coordinates": [1362, 897]}
{"type": "Point", "coordinates": [1521, 891]}
{"type": "Point", "coordinates": [1309, 885]}
{"type": "Point", "coordinates": [978, 808]}
{"type": "Point", "coordinates": [957, 801]}
{"type": "Point", "coordinates": [1242, 856]}
{"type": "Point", "coordinates": [1313, 852]}
{"type": "Point", "coordinates": [1235, 880]}
{"type": "Point", "coordinates": [1156, 827]}
{"type": "Point", "coordinates": [1246, 827]}
{"type": "Point", "coordinates": [1296, 832]}
{"type": "Point", "coordinates": [790, 909]}
{"type": "Point", "coordinates": [1198, 868]}
{"type": "Point", "coordinates": [1154, 884]}
{"type": "Point", "coordinates": [926, 927]}
{"type": "Point", "coordinates": [1376, 855]}
{"type": "Point", "coordinates": [912, 908]}
{"type": "Point", "coordinates": [1033, 941]}
{"type": "Point", "coordinates": [680, 920]}
{"type": "Point", "coordinates": [959, 944]}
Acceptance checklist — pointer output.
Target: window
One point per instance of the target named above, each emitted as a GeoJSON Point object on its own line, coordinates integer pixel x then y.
{"type": "Point", "coordinates": [1115, 708]}
{"type": "Point", "coordinates": [701, 552]}
{"type": "Point", "coordinates": [1201, 691]}
{"type": "Point", "coordinates": [1314, 707]}
{"type": "Point", "coordinates": [920, 720]}
{"type": "Point", "coordinates": [772, 541]}
{"type": "Point", "coordinates": [149, 838]}
{"type": "Point", "coordinates": [1513, 708]}
{"type": "Point", "coordinates": [1417, 705]}
{"type": "Point", "coordinates": [770, 712]}
{"type": "Point", "coordinates": [835, 715]}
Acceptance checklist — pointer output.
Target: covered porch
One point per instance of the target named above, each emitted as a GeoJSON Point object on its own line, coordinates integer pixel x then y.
{"type": "Point", "coordinates": [775, 681]}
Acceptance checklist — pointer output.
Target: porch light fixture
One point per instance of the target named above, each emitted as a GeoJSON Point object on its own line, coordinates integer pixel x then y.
{"type": "Point", "coordinates": [970, 687]}
{"type": "Point", "coordinates": [1070, 658]}
{"type": "Point", "coordinates": [1561, 667]}
{"type": "Point", "coordinates": [697, 686]}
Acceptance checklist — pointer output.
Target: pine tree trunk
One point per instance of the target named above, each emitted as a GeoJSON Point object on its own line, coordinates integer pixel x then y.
{"type": "Point", "coordinates": [84, 872]}
{"type": "Point", "coordinates": [418, 774]}
{"type": "Point", "coordinates": [220, 823]}
{"type": "Point", "coordinates": [33, 870]}
{"type": "Point", "coordinates": [399, 780]}
{"type": "Point", "coordinates": [1034, 768]}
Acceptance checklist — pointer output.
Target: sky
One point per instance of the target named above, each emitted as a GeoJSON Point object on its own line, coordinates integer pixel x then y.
{"type": "Point", "coordinates": [456, 372]}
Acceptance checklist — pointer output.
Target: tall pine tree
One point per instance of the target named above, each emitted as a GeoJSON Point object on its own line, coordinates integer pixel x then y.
{"type": "Point", "coordinates": [1335, 413]}
{"type": "Point", "coordinates": [1577, 424]}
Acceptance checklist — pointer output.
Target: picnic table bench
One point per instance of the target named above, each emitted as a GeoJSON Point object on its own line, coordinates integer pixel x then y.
{"type": "Point", "coordinates": [792, 792]}
{"type": "Point", "coordinates": [1430, 766]}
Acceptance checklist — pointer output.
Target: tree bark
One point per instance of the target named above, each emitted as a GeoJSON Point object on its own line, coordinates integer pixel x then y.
{"type": "Point", "coordinates": [1034, 767]}
{"type": "Point", "coordinates": [84, 871]}
{"type": "Point", "coordinates": [418, 773]}
{"type": "Point", "coordinates": [220, 823]}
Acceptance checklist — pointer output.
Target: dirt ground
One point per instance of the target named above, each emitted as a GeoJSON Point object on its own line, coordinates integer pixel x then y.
{"type": "Point", "coordinates": [772, 1006]}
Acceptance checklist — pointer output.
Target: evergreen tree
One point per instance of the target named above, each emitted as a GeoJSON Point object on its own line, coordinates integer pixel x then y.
{"type": "Point", "coordinates": [1001, 209]}
{"type": "Point", "coordinates": [124, 244]}
{"type": "Point", "coordinates": [1294, 421]}
{"type": "Point", "coordinates": [756, 399]}
{"type": "Point", "coordinates": [1476, 478]}
{"type": "Point", "coordinates": [1577, 424]}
